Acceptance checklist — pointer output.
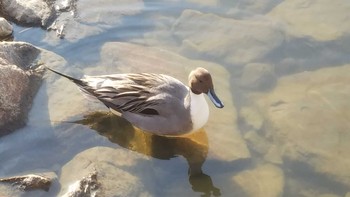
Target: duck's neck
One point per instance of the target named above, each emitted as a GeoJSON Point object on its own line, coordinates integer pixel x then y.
{"type": "Point", "coordinates": [199, 110]}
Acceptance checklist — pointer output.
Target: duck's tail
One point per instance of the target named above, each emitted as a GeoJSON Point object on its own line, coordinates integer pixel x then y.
{"type": "Point", "coordinates": [76, 81]}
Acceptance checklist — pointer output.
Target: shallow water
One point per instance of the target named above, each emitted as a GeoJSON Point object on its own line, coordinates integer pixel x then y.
{"type": "Point", "coordinates": [259, 35]}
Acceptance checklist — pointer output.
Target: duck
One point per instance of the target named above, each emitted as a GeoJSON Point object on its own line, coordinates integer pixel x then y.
{"type": "Point", "coordinates": [155, 103]}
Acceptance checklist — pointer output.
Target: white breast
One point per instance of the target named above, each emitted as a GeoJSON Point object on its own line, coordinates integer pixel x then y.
{"type": "Point", "coordinates": [199, 110]}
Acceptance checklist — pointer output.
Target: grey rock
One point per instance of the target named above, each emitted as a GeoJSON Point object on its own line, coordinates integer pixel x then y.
{"type": "Point", "coordinates": [28, 12]}
{"type": "Point", "coordinates": [231, 41]}
{"type": "Point", "coordinates": [265, 180]}
{"type": "Point", "coordinates": [80, 19]}
{"type": "Point", "coordinates": [308, 118]}
{"type": "Point", "coordinates": [258, 76]}
{"type": "Point", "coordinates": [19, 83]}
{"type": "Point", "coordinates": [252, 6]}
{"type": "Point", "coordinates": [29, 182]}
{"type": "Point", "coordinates": [251, 117]}
{"type": "Point", "coordinates": [100, 169]}
{"type": "Point", "coordinates": [5, 28]}
{"type": "Point", "coordinates": [87, 186]}
{"type": "Point", "coordinates": [303, 18]}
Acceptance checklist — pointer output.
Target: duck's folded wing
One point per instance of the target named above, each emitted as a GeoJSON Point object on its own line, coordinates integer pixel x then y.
{"type": "Point", "coordinates": [131, 99]}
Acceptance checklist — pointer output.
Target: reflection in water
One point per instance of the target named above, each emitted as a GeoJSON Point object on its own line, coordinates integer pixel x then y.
{"type": "Point", "coordinates": [193, 147]}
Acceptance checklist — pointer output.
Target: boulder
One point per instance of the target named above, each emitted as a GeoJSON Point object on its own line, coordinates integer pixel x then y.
{"type": "Point", "coordinates": [5, 28]}
{"type": "Point", "coordinates": [321, 20]}
{"type": "Point", "coordinates": [252, 6]}
{"type": "Point", "coordinates": [307, 117]}
{"type": "Point", "coordinates": [101, 172]}
{"type": "Point", "coordinates": [80, 19]}
{"type": "Point", "coordinates": [205, 3]}
{"type": "Point", "coordinates": [258, 76]}
{"type": "Point", "coordinates": [231, 41]}
{"type": "Point", "coordinates": [20, 81]}
{"type": "Point", "coordinates": [28, 12]}
{"type": "Point", "coordinates": [30, 182]}
{"type": "Point", "coordinates": [265, 180]}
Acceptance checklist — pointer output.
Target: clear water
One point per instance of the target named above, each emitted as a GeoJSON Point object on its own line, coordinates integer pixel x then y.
{"type": "Point", "coordinates": [43, 146]}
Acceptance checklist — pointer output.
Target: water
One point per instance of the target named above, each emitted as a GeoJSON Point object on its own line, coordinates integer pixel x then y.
{"type": "Point", "coordinates": [283, 131]}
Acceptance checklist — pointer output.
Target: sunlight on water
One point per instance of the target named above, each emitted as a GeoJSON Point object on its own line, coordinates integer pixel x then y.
{"type": "Point", "coordinates": [280, 67]}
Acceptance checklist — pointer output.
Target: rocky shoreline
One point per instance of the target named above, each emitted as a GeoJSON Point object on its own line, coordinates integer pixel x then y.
{"type": "Point", "coordinates": [284, 80]}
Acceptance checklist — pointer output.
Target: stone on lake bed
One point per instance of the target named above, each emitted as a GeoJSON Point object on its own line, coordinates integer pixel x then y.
{"type": "Point", "coordinates": [258, 76]}
{"type": "Point", "coordinates": [28, 12]}
{"type": "Point", "coordinates": [101, 171]}
{"type": "Point", "coordinates": [31, 181]}
{"type": "Point", "coordinates": [252, 117]}
{"type": "Point", "coordinates": [230, 42]}
{"type": "Point", "coordinates": [91, 17]}
{"type": "Point", "coordinates": [308, 119]}
{"type": "Point", "coordinates": [19, 83]}
{"type": "Point", "coordinates": [265, 180]}
{"type": "Point", "coordinates": [321, 20]}
{"type": "Point", "coordinates": [5, 28]}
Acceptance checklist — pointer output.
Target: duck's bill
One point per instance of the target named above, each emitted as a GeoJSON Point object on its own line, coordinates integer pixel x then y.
{"type": "Point", "coordinates": [212, 96]}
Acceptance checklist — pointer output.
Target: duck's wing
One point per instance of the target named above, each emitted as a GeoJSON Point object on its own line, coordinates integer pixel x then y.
{"type": "Point", "coordinates": [135, 93]}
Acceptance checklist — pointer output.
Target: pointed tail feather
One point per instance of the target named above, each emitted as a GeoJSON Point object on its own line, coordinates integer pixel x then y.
{"type": "Point", "coordinates": [76, 81]}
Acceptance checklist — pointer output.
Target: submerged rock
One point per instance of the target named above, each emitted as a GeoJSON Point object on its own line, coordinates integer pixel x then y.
{"type": "Point", "coordinates": [29, 182]}
{"type": "Point", "coordinates": [231, 41]}
{"type": "Point", "coordinates": [5, 28]}
{"type": "Point", "coordinates": [80, 19]}
{"type": "Point", "coordinates": [100, 172]}
{"type": "Point", "coordinates": [322, 20]}
{"type": "Point", "coordinates": [307, 118]}
{"type": "Point", "coordinates": [265, 180]}
{"type": "Point", "coordinates": [258, 76]}
{"type": "Point", "coordinates": [28, 12]}
{"type": "Point", "coordinates": [20, 80]}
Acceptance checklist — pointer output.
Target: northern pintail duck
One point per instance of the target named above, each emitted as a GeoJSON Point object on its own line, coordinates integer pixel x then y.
{"type": "Point", "coordinates": [156, 103]}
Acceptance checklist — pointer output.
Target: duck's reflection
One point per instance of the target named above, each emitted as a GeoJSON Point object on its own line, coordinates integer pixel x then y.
{"type": "Point", "coordinates": [193, 147]}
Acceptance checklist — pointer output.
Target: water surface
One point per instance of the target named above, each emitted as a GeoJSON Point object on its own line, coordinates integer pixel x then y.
{"type": "Point", "coordinates": [259, 56]}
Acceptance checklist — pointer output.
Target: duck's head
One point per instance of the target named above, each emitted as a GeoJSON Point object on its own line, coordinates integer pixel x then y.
{"type": "Point", "coordinates": [200, 81]}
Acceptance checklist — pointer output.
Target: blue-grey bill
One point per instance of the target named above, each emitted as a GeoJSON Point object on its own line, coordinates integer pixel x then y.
{"type": "Point", "coordinates": [212, 96]}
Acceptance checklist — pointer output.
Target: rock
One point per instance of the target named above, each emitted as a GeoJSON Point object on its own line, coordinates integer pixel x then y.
{"type": "Point", "coordinates": [247, 40]}
{"type": "Point", "coordinates": [94, 18]}
{"type": "Point", "coordinates": [274, 155]}
{"type": "Point", "coordinates": [123, 58]}
{"type": "Point", "coordinates": [257, 76]}
{"type": "Point", "coordinates": [20, 82]}
{"type": "Point", "coordinates": [321, 20]}
{"type": "Point", "coordinates": [29, 182]}
{"type": "Point", "coordinates": [205, 3]}
{"type": "Point", "coordinates": [87, 186]}
{"type": "Point", "coordinates": [253, 6]}
{"type": "Point", "coordinates": [28, 12]}
{"type": "Point", "coordinates": [252, 117]}
{"type": "Point", "coordinates": [265, 180]}
{"type": "Point", "coordinates": [307, 117]}
{"type": "Point", "coordinates": [100, 169]}
{"type": "Point", "coordinates": [328, 195]}
{"type": "Point", "coordinates": [256, 142]}
{"type": "Point", "coordinates": [5, 28]}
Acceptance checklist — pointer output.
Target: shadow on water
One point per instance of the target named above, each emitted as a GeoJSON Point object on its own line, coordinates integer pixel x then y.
{"type": "Point", "coordinates": [193, 147]}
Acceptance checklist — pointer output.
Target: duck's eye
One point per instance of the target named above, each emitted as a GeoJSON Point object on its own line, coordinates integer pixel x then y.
{"type": "Point", "coordinates": [200, 81]}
